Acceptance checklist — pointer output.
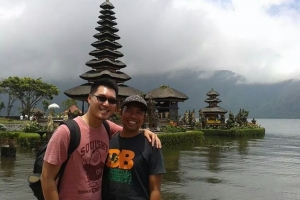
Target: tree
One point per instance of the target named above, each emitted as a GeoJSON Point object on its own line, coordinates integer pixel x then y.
{"type": "Point", "coordinates": [1, 106]}
{"type": "Point", "coordinates": [11, 99]}
{"type": "Point", "coordinates": [1, 103]}
{"type": "Point", "coordinates": [45, 104]}
{"type": "Point", "coordinates": [66, 104]}
{"type": "Point", "coordinates": [29, 91]}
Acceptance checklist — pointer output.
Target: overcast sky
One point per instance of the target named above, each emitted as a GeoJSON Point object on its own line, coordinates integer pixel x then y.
{"type": "Point", "coordinates": [259, 39]}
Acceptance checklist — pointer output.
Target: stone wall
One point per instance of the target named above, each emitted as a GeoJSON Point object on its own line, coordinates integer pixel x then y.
{"type": "Point", "coordinates": [14, 127]}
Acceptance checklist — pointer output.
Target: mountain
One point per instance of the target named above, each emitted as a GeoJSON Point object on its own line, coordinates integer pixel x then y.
{"type": "Point", "coordinates": [278, 100]}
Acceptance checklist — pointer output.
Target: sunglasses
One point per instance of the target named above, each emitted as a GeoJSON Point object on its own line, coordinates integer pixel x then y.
{"type": "Point", "coordinates": [102, 99]}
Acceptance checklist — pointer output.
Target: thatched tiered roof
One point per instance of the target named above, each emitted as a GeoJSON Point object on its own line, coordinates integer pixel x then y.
{"type": "Point", "coordinates": [106, 63]}
{"type": "Point", "coordinates": [213, 101]}
{"type": "Point", "coordinates": [125, 91]}
{"type": "Point", "coordinates": [72, 109]}
{"type": "Point", "coordinates": [80, 92]}
{"type": "Point", "coordinates": [166, 93]}
{"type": "Point", "coordinates": [215, 109]}
{"type": "Point", "coordinates": [212, 92]}
{"type": "Point", "coordinates": [94, 75]}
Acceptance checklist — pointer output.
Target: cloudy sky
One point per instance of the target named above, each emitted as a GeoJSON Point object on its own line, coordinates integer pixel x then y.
{"type": "Point", "coordinates": [259, 39]}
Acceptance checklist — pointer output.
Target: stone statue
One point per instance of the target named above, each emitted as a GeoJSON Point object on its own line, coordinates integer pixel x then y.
{"type": "Point", "coordinates": [65, 117]}
{"type": "Point", "coordinates": [152, 118]}
{"type": "Point", "coordinates": [193, 118]}
{"type": "Point", "coordinates": [186, 117]}
{"type": "Point", "coordinates": [50, 123]}
{"type": "Point", "coordinates": [202, 119]}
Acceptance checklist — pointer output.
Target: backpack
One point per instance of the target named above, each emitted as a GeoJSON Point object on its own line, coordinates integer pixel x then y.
{"type": "Point", "coordinates": [34, 180]}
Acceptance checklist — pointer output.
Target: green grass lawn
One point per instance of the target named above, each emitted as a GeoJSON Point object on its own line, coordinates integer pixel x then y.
{"type": "Point", "coordinates": [11, 121]}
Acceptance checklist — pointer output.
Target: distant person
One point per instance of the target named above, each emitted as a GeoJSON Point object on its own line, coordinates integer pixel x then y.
{"type": "Point", "coordinates": [83, 174]}
{"type": "Point", "coordinates": [134, 168]}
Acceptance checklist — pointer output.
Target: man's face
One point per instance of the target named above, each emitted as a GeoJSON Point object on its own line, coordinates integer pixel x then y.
{"type": "Point", "coordinates": [132, 116]}
{"type": "Point", "coordinates": [99, 103]}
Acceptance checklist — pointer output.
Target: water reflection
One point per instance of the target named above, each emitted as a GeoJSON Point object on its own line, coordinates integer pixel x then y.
{"type": "Point", "coordinates": [172, 180]}
{"type": "Point", "coordinates": [219, 168]}
{"type": "Point", "coordinates": [197, 168]}
{"type": "Point", "coordinates": [7, 166]}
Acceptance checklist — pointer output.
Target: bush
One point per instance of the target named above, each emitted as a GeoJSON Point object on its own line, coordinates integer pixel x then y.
{"type": "Point", "coordinates": [235, 132]}
{"type": "Point", "coordinates": [186, 138]}
{"type": "Point", "coordinates": [24, 140]}
{"type": "Point", "coordinates": [28, 140]}
{"type": "Point", "coordinates": [2, 127]}
{"type": "Point", "coordinates": [10, 135]}
{"type": "Point", "coordinates": [33, 127]}
{"type": "Point", "coordinates": [173, 129]}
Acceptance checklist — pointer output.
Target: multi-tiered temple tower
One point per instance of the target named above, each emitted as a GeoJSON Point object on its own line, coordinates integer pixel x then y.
{"type": "Point", "coordinates": [213, 114]}
{"type": "Point", "coordinates": [106, 63]}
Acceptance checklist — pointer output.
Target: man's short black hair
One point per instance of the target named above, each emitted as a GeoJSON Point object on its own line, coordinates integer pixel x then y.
{"type": "Point", "coordinates": [106, 83]}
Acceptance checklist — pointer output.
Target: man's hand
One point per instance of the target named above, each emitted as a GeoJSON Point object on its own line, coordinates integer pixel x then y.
{"type": "Point", "coordinates": [152, 137]}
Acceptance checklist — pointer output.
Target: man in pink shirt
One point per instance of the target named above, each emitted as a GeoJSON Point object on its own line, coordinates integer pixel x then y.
{"type": "Point", "coordinates": [82, 179]}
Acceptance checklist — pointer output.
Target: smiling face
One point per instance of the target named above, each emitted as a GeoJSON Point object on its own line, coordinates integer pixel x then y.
{"type": "Point", "coordinates": [132, 116]}
{"type": "Point", "coordinates": [98, 109]}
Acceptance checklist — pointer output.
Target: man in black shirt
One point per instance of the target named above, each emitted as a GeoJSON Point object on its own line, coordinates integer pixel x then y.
{"type": "Point", "coordinates": [134, 168]}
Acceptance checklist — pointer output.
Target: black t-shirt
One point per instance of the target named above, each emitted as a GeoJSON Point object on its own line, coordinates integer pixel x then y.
{"type": "Point", "coordinates": [130, 162]}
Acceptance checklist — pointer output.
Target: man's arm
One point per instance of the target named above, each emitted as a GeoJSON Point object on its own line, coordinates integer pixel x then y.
{"type": "Point", "coordinates": [55, 156]}
{"type": "Point", "coordinates": [49, 173]}
{"type": "Point", "coordinates": [155, 184]}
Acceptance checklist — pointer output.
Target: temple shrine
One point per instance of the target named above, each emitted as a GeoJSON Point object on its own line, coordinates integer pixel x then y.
{"type": "Point", "coordinates": [106, 63]}
{"type": "Point", "coordinates": [167, 99]}
{"type": "Point", "coordinates": [212, 114]}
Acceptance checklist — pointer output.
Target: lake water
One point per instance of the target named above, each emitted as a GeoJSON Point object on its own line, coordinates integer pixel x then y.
{"type": "Point", "coordinates": [219, 169]}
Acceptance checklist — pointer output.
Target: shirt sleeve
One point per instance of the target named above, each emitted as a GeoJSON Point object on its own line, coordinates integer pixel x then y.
{"type": "Point", "coordinates": [114, 128]}
{"type": "Point", "coordinates": [57, 148]}
{"type": "Point", "coordinates": [156, 162]}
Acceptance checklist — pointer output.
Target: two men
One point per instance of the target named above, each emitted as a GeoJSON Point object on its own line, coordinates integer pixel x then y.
{"type": "Point", "coordinates": [134, 168]}
{"type": "Point", "coordinates": [84, 170]}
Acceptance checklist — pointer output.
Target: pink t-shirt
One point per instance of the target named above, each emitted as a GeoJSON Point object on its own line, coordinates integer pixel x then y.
{"type": "Point", "coordinates": [82, 178]}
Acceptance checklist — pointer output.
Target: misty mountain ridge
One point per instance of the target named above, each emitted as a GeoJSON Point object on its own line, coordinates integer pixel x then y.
{"type": "Point", "coordinates": [278, 100]}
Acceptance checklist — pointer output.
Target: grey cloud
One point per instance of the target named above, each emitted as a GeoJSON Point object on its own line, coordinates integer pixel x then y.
{"type": "Point", "coordinates": [52, 39]}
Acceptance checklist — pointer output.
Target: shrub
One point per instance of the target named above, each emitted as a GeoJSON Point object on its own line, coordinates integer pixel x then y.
{"type": "Point", "coordinates": [24, 140]}
{"type": "Point", "coordinates": [235, 132]}
{"type": "Point", "coordinates": [28, 140]}
{"type": "Point", "coordinates": [2, 127]}
{"type": "Point", "coordinates": [33, 127]}
{"type": "Point", "coordinates": [173, 129]}
{"type": "Point", "coordinates": [10, 135]}
{"type": "Point", "coordinates": [185, 138]}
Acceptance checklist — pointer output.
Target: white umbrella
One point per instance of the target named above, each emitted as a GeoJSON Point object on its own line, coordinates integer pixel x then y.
{"type": "Point", "coordinates": [53, 105]}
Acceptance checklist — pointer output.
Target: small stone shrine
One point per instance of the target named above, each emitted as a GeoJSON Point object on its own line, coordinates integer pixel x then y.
{"type": "Point", "coordinates": [212, 115]}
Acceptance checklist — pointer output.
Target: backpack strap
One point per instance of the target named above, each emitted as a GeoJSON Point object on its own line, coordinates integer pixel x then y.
{"type": "Point", "coordinates": [74, 142]}
{"type": "Point", "coordinates": [106, 125]}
